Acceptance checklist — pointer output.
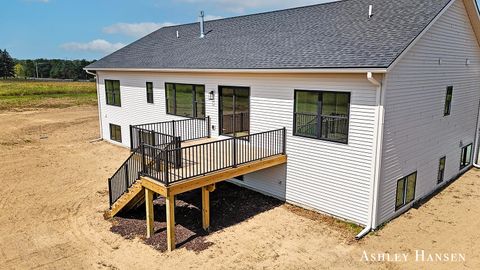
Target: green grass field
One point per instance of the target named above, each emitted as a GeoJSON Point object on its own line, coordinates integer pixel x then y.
{"type": "Point", "coordinates": [21, 94]}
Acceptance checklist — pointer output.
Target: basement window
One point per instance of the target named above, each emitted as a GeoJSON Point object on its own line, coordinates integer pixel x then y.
{"type": "Point", "coordinates": [448, 101]}
{"type": "Point", "coordinates": [406, 190]}
{"type": "Point", "coordinates": [466, 156]}
{"type": "Point", "coordinates": [149, 92]}
{"type": "Point", "coordinates": [112, 92]}
{"type": "Point", "coordinates": [187, 100]}
{"type": "Point", "coordinates": [115, 133]}
{"type": "Point", "coordinates": [322, 115]}
{"type": "Point", "coordinates": [441, 170]}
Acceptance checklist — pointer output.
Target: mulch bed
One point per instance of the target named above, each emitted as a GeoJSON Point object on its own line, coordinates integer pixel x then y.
{"type": "Point", "coordinates": [229, 205]}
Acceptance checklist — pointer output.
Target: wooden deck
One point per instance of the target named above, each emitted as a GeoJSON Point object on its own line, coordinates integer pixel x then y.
{"type": "Point", "coordinates": [211, 178]}
{"type": "Point", "coordinates": [198, 158]}
{"type": "Point", "coordinates": [198, 164]}
{"type": "Point", "coordinates": [213, 158]}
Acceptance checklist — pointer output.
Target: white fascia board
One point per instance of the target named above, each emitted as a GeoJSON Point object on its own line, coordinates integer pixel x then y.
{"type": "Point", "coordinates": [266, 71]}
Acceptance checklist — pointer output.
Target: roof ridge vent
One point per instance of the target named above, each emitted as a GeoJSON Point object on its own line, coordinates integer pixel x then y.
{"type": "Point", "coordinates": [202, 24]}
{"type": "Point", "coordinates": [370, 11]}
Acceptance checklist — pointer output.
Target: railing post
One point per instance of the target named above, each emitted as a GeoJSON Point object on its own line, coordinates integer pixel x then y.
{"type": "Point", "coordinates": [131, 137]}
{"type": "Point", "coordinates": [165, 167]}
{"type": "Point", "coordinates": [173, 128]}
{"type": "Point", "coordinates": [110, 192]}
{"type": "Point", "coordinates": [152, 137]}
{"type": "Point", "coordinates": [208, 127]}
{"type": "Point", "coordinates": [143, 158]}
{"type": "Point", "coordinates": [126, 177]}
{"type": "Point", "coordinates": [178, 152]}
{"type": "Point", "coordinates": [284, 141]}
{"type": "Point", "coordinates": [234, 151]}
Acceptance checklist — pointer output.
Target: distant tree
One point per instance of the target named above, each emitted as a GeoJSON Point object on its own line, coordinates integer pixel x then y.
{"type": "Point", "coordinates": [56, 68]}
{"type": "Point", "coordinates": [3, 69]}
{"type": "Point", "coordinates": [7, 65]}
{"type": "Point", "coordinates": [20, 70]}
{"type": "Point", "coordinates": [29, 68]}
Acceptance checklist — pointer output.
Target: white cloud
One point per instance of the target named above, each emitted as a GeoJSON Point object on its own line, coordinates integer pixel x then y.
{"type": "Point", "coordinates": [212, 17]}
{"type": "Point", "coordinates": [134, 29]}
{"type": "Point", "coordinates": [241, 6]}
{"type": "Point", "coordinates": [98, 45]}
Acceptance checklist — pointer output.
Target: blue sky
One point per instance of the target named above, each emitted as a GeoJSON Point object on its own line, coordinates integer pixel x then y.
{"type": "Point", "coordinates": [90, 29]}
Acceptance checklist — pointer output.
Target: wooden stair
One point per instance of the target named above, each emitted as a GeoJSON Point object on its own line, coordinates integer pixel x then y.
{"type": "Point", "coordinates": [129, 200]}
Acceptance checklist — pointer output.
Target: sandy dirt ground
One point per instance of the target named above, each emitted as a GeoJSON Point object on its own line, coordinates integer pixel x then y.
{"type": "Point", "coordinates": [54, 192]}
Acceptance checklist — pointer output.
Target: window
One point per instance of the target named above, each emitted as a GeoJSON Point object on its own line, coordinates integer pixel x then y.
{"type": "Point", "coordinates": [115, 133]}
{"type": "Point", "coordinates": [441, 170]}
{"type": "Point", "coordinates": [448, 101]}
{"type": "Point", "coordinates": [322, 115]}
{"type": "Point", "coordinates": [112, 91]}
{"type": "Point", "coordinates": [406, 190]}
{"type": "Point", "coordinates": [149, 92]}
{"type": "Point", "coordinates": [466, 156]}
{"type": "Point", "coordinates": [185, 100]}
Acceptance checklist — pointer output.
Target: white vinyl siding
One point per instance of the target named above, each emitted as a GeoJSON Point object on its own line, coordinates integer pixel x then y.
{"type": "Point", "coordinates": [416, 133]}
{"type": "Point", "coordinates": [330, 177]}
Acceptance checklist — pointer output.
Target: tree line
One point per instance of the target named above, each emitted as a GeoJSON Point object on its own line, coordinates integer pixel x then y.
{"type": "Point", "coordinates": [43, 68]}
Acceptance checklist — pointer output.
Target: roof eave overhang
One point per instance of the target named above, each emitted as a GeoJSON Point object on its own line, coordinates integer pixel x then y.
{"type": "Point", "coordinates": [473, 14]}
{"type": "Point", "coordinates": [257, 71]}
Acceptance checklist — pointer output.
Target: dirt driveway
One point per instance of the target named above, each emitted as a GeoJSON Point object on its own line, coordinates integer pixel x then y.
{"type": "Point", "coordinates": [53, 194]}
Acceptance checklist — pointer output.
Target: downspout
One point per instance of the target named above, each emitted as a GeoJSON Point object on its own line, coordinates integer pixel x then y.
{"type": "Point", "coordinates": [98, 103]}
{"type": "Point", "coordinates": [380, 97]}
{"type": "Point", "coordinates": [477, 141]}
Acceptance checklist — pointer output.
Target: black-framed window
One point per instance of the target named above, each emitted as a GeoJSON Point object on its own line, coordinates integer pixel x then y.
{"type": "Point", "coordinates": [149, 87]}
{"type": "Point", "coordinates": [186, 100]}
{"type": "Point", "coordinates": [406, 190]}
{"type": "Point", "coordinates": [448, 101]}
{"type": "Point", "coordinates": [466, 156]}
{"type": "Point", "coordinates": [115, 133]}
{"type": "Point", "coordinates": [322, 115]}
{"type": "Point", "coordinates": [441, 170]}
{"type": "Point", "coordinates": [112, 92]}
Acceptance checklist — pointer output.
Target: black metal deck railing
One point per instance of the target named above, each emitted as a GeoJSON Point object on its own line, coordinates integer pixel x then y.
{"type": "Point", "coordinates": [125, 176]}
{"type": "Point", "coordinates": [201, 159]}
{"type": "Point", "coordinates": [161, 157]}
{"type": "Point", "coordinates": [156, 134]}
{"type": "Point", "coordinates": [141, 160]}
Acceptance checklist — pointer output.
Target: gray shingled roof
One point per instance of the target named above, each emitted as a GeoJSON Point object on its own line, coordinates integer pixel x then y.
{"type": "Point", "coordinates": [332, 35]}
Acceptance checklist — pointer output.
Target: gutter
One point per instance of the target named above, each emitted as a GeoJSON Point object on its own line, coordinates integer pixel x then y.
{"type": "Point", "coordinates": [378, 153]}
{"type": "Point", "coordinates": [98, 102]}
{"type": "Point", "coordinates": [257, 71]}
{"type": "Point", "coordinates": [91, 73]}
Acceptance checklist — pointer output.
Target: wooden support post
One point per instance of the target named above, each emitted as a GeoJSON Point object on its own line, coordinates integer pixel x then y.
{"type": "Point", "coordinates": [205, 208]}
{"type": "Point", "coordinates": [149, 209]}
{"type": "Point", "coordinates": [170, 204]}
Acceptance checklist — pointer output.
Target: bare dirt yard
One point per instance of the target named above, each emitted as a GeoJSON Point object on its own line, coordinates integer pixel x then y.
{"type": "Point", "coordinates": [54, 193]}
